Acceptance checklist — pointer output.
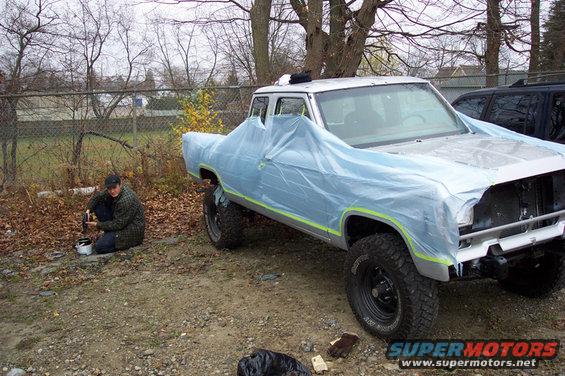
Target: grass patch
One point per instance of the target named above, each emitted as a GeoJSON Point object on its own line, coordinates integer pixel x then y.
{"type": "Point", "coordinates": [25, 318]}
{"type": "Point", "coordinates": [154, 342]}
{"type": "Point", "coordinates": [7, 294]}
{"type": "Point", "coordinates": [47, 158]}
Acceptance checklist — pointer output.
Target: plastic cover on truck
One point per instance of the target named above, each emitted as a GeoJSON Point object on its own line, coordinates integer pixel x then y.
{"type": "Point", "coordinates": [297, 169]}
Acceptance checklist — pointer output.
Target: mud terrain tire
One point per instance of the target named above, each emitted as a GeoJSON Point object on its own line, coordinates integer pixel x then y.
{"type": "Point", "coordinates": [536, 279]}
{"type": "Point", "coordinates": [385, 291]}
{"type": "Point", "coordinates": [224, 223]}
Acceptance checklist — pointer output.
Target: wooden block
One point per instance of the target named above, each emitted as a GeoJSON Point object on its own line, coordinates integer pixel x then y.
{"type": "Point", "coordinates": [319, 365]}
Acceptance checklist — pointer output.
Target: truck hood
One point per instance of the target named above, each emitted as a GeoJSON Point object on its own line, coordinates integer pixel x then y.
{"type": "Point", "coordinates": [510, 159]}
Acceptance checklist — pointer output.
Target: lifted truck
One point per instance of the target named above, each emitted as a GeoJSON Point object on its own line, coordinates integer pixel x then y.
{"type": "Point", "coordinates": [385, 169]}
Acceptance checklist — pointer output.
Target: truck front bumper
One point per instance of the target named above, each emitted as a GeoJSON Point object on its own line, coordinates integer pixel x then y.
{"type": "Point", "coordinates": [476, 245]}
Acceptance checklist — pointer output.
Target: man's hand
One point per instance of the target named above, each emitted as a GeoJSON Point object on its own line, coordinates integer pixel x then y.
{"type": "Point", "coordinates": [91, 223]}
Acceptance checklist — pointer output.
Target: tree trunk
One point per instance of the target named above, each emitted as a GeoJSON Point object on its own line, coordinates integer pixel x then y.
{"type": "Point", "coordinates": [9, 136]}
{"type": "Point", "coordinates": [74, 169]}
{"type": "Point", "coordinates": [315, 45]}
{"type": "Point", "coordinates": [260, 12]}
{"type": "Point", "coordinates": [355, 43]}
{"type": "Point", "coordinates": [339, 52]}
{"type": "Point", "coordinates": [535, 37]}
{"type": "Point", "coordinates": [494, 39]}
{"type": "Point", "coordinates": [336, 45]}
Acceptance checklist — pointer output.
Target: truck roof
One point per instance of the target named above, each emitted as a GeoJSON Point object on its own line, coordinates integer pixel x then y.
{"type": "Point", "coordinates": [329, 84]}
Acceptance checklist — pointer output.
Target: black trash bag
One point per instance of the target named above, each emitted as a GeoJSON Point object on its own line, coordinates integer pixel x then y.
{"type": "Point", "coordinates": [269, 363]}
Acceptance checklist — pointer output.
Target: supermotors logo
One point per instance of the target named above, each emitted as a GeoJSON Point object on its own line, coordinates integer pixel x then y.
{"type": "Point", "coordinates": [472, 353]}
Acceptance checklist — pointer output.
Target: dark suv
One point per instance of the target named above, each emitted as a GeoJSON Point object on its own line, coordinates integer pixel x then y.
{"type": "Point", "coordinates": [536, 110]}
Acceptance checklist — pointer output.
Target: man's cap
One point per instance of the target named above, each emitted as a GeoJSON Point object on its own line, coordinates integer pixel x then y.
{"type": "Point", "coordinates": [112, 181]}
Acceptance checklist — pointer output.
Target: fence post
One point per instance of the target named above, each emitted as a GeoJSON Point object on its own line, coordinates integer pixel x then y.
{"type": "Point", "coordinates": [134, 119]}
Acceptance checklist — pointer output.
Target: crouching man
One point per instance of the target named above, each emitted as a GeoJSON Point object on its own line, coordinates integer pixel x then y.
{"type": "Point", "coordinates": [120, 216]}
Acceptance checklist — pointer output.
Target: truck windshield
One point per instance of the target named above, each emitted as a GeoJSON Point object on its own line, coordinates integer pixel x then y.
{"type": "Point", "coordinates": [377, 115]}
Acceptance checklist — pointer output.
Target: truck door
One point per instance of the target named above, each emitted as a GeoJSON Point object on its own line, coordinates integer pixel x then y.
{"type": "Point", "coordinates": [290, 174]}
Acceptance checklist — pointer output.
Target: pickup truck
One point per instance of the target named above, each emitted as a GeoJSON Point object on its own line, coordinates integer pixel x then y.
{"type": "Point", "coordinates": [384, 168]}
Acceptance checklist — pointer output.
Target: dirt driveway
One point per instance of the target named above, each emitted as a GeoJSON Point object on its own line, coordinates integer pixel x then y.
{"type": "Point", "coordinates": [179, 307]}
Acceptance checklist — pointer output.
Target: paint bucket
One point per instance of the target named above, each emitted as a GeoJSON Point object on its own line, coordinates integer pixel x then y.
{"type": "Point", "coordinates": [84, 246]}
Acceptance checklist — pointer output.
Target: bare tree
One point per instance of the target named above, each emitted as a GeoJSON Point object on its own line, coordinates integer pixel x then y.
{"type": "Point", "coordinates": [98, 34]}
{"type": "Point", "coordinates": [535, 36]}
{"type": "Point", "coordinates": [26, 34]}
{"type": "Point", "coordinates": [259, 14]}
{"type": "Point", "coordinates": [175, 52]}
{"type": "Point", "coordinates": [310, 16]}
{"type": "Point", "coordinates": [246, 36]}
{"type": "Point", "coordinates": [494, 40]}
{"type": "Point", "coordinates": [183, 42]}
{"type": "Point", "coordinates": [286, 53]}
{"type": "Point", "coordinates": [236, 46]}
{"type": "Point", "coordinates": [340, 33]}
{"type": "Point", "coordinates": [214, 50]}
{"type": "Point", "coordinates": [500, 35]}
{"type": "Point", "coordinates": [97, 27]}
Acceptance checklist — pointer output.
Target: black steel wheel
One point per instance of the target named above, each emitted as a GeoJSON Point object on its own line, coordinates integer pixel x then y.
{"type": "Point", "coordinates": [379, 293]}
{"type": "Point", "coordinates": [385, 291]}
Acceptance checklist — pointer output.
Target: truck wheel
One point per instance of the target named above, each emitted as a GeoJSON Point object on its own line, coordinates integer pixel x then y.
{"type": "Point", "coordinates": [536, 278]}
{"type": "Point", "coordinates": [385, 291]}
{"type": "Point", "coordinates": [223, 223]}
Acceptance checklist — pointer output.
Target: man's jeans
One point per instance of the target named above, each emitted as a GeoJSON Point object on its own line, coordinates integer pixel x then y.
{"type": "Point", "coordinates": [107, 242]}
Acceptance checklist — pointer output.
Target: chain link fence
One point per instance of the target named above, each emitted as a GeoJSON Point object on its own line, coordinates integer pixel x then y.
{"type": "Point", "coordinates": [53, 140]}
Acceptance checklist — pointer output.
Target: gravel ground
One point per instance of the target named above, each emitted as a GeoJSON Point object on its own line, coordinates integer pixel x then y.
{"type": "Point", "coordinates": [180, 307]}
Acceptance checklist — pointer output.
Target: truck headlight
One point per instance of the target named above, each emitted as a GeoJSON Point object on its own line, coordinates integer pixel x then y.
{"type": "Point", "coordinates": [465, 216]}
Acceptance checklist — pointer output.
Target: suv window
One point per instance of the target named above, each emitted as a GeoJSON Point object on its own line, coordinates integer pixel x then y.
{"type": "Point", "coordinates": [292, 106]}
{"type": "Point", "coordinates": [515, 112]}
{"type": "Point", "coordinates": [259, 107]}
{"type": "Point", "coordinates": [556, 128]}
{"type": "Point", "coordinates": [472, 106]}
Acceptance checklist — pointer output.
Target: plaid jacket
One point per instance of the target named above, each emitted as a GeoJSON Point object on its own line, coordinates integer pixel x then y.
{"type": "Point", "coordinates": [128, 222]}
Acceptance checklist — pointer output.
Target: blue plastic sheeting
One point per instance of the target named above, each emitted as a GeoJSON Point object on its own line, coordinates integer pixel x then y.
{"type": "Point", "coordinates": [295, 168]}
{"type": "Point", "coordinates": [483, 127]}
